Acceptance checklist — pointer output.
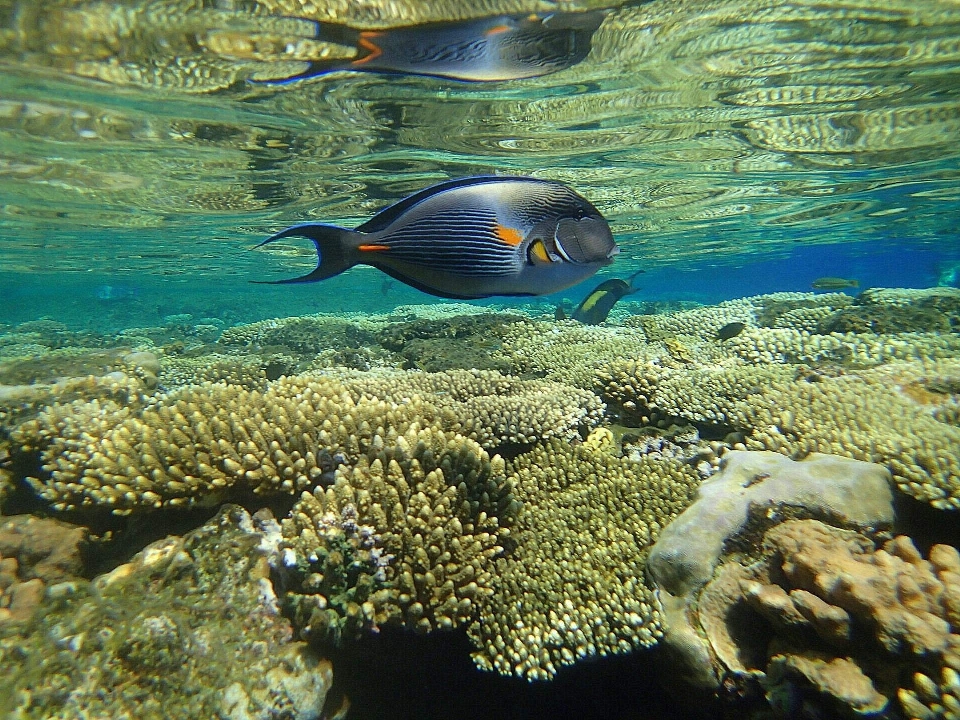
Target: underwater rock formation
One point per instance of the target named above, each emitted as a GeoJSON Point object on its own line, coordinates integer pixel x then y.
{"type": "Point", "coordinates": [189, 628]}
{"type": "Point", "coordinates": [830, 624]}
{"type": "Point", "coordinates": [34, 554]}
{"type": "Point", "coordinates": [751, 489]}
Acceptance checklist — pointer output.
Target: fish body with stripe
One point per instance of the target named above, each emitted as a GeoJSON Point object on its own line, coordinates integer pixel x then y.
{"type": "Point", "coordinates": [502, 47]}
{"type": "Point", "coordinates": [472, 238]}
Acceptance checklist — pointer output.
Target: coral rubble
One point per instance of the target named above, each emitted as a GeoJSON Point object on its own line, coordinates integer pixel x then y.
{"type": "Point", "coordinates": [189, 628]}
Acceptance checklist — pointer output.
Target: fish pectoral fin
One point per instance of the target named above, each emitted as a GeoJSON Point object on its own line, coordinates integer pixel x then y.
{"type": "Point", "coordinates": [537, 253]}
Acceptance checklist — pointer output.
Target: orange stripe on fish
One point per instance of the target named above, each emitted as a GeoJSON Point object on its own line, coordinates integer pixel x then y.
{"type": "Point", "coordinates": [497, 30]}
{"type": "Point", "coordinates": [367, 44]}
{"type": "Point", "coordinates": [372, 248]}
{"type": "Point", "coordinates": [508, 235]}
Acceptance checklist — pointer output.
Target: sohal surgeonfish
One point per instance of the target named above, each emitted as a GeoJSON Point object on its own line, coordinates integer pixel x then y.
{"type": "Point", "coordinates": [598, 304]}
{"type": "Point", "coordinates": [504, 47]}
{"type": "Point", "coordinates": [472, 238]}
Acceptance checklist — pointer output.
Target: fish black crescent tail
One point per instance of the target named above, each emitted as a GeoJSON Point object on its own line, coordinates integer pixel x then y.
{"type": "Point", "coordinates": [333, 245]}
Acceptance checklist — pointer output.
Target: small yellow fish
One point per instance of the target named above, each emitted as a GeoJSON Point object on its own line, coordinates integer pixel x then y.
{"type": "Point", "coordinates": [833, 283]}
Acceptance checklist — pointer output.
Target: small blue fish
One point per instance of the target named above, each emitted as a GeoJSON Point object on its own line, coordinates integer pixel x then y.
{"type": "Point", "coordinates": [504, 47]}
{"type": "Point", "coordinates": [598, 304]}
{"type": "Point", "coordinates": [472, 238]}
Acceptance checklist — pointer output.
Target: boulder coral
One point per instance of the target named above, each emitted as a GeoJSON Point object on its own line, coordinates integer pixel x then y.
{"type": "Point", "coordinates": [573, 585]}
{"type": "Point", "coordinates": [752, 489]}
{"type": "Point", "coordinates": [827, 619]}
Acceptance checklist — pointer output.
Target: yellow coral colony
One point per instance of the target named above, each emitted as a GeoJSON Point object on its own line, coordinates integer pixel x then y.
{"type": "Point", "coordinates": [574, 586]}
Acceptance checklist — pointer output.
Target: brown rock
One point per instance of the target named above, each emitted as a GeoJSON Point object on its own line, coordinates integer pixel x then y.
{"type": "Point", "coordinates": [43, 548]}
{"type": "Point", "coordinates": [830, 622]}
{"type": "Point", "coordinates": [900, 599]}
{"type": "Point", "coordinates": [25, 597]}
{"type": "Point", "coordinates": [849, 690]}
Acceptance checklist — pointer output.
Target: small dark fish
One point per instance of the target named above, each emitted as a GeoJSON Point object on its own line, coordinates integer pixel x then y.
{"type": "Point", "coordinates": [385, 286]}
{"type": "Point", "coordinates": [730, 330]}
{"type": "Point", "coordinates": [833, 283]}
{"type": "Point", "coordinates": [598, 304]}
{"type": "Point", "coordinates": [560, 313]}
{"type": "Point", "coordinates": [472, 238]}
{"type": "Point", "coordinates": [503, 47]}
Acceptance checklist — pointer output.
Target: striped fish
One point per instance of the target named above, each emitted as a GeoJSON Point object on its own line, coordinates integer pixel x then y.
{"type": "Point", "coordinates": [472, 238]}
{"type": "Point", "coordinates": [503, 47]}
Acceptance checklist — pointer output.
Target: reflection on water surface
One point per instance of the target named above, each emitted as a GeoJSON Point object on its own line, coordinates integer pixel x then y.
{"type": "Point", "coordinates": [697, 128]}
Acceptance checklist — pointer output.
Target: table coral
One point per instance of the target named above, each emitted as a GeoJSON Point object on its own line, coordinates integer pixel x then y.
{"type": "Point", "coordinates": [196, 444]}
{"type": "Point", "coordinates": [486, 406]}
{"type": "Point", "coordinates": [573, 586]}
{"type": "Point", "coordinates": [872, 414]}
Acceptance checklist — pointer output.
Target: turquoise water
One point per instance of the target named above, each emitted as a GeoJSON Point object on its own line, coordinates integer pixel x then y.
{"type": "Point", "coordinates": [738, 148]}
{"type": "Point", "coordinates": [713, 136]}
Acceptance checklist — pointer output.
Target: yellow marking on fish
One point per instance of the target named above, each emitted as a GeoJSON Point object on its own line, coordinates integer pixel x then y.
{"type": "Point", "coordinates": [539, 251]}
{"type": "Point", "coordinates": [372, 248]}
{"type": "Point", "coordinates": [365, 42]}
{"type": "Point", "coordinates": [497, 30]}
{"type": "Point", "coordinates": [592, 300]}
{"type": "Point", "coordinates": [511, 236]}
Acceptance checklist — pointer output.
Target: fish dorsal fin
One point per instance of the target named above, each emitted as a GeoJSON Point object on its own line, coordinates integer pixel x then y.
{"type": "Point", "coordinates": [385, 217]}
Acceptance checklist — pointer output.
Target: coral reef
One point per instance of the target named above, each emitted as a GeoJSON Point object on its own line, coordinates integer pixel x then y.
{"type": "Point", "coordinates": [752, 488]}
{"type": "Point", "coordinates": [461, 341]}
{"type": "Point", "coordinates": [34, 554]}
{"type": "Point", "coordinates": [189, 628]}
{"type": "Point", "coordinates": [406, 535]}
{"type": "Point", "coordinates": [486, 406]}
{"type": "Point", "coordinates": [566, 549]}
{"type": "Point", "coordinates": [197, 444]}
{"type": "Point", "coordinates": [828, 622]}
{"type": "Point", "coordinates": [567, 351]}
{"type": "Point", "coordinates": [796, 410]}
{"type": "Point", "coordinates": [573, 586]}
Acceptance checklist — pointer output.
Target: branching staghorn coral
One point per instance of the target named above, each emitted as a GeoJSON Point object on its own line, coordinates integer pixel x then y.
{"type": "Point", "coordinates": [574, 585]}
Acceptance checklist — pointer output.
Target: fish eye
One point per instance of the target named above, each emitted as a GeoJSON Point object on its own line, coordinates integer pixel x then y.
{"type": "Point", "coordinates": [581, 213]}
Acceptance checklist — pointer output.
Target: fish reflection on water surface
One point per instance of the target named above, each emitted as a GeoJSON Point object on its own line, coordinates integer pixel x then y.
{"type": "Point", "coordinates": [503, 47]}
{"type": "Point", "coordinates": [472, 238]}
